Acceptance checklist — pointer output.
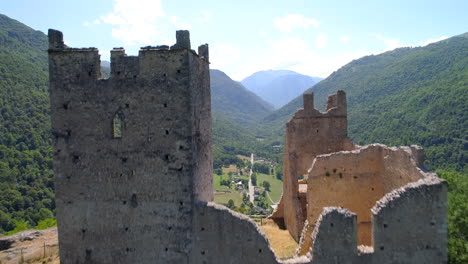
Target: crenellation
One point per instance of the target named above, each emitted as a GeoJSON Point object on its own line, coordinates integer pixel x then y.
{"type": "Point", "coordinates": [203, 52]}
{"type": "Point", "coordinates": [182, 40]}
{"type": "Point", "coordinates": [308, 101]}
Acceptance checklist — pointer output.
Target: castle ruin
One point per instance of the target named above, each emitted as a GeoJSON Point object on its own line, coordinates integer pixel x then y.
{"type": "Point", "coordinates": [133, 168]}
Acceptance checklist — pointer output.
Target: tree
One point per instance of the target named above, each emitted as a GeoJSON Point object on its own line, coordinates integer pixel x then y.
{"type": "Point", "coordinates": [266, 185]}
{"type": "Point", "coordinates": [261, 168]}
{"type": "Point", "coordinates": [254, 178]}
{"type": "Point", "coordinates": [230, 204]}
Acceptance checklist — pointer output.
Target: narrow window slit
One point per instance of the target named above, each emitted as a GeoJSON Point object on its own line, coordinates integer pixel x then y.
{"type": "Point", "coordinates": [117, 126]}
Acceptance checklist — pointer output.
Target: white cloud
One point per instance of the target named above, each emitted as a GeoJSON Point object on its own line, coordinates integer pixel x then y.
{"type": "Point", "coordinates": [96, 22]}
{"type": "Point", "coordinates": [292, 21]}
{"type": "Point", "coordinates": [223, 55]}
{"type": "Point", "coordinates": [345, 39]}
{"type": "Point", "coordinates": [206, 17]}
{"type": "Point", "coordinates": [391, 43]}
{"type": "Point", "coordinates": [138, 21]}
{"type": "Point", "coordinates": [430, 41]}
{"type": "Point", "coordinates": [179, 24]}
{"type": "Point", "coordinates": [86, 24]}
{"type": "Point", "coordinates": [296, 54]}
{"type": "Point", "coordinates": [321, 41]}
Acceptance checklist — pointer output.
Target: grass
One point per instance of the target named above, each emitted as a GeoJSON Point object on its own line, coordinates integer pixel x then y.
{"type": "Point", "coordinates": [276, 186]}
{"type": "Point", "coordinates": [223, 198]}
{"type": "Point", "coordinates": [280, 240]}
{"type": "Point", "coordinates": [232, 168]}
{"type": "Point", "coordinates": [217, 183]}
{"type": "Point", "coordinates": [243, 157]}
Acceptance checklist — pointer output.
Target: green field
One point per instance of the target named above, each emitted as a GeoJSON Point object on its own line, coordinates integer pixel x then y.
{"type": "Point", "coordinates": [223, 198]}
{"type": "Point", "coordinates": [276, 186]}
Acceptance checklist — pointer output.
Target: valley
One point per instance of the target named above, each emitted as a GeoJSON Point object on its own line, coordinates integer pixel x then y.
{"type": "Point", "coordinates": [405, 96]}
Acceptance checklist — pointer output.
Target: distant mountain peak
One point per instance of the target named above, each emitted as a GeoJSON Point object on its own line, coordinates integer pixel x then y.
{"type": "Point", "coordinates": [278, 87]}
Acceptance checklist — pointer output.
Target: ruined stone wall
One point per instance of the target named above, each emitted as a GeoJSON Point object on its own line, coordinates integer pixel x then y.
{"type": "Point", "coordinates": [223, 236]}
{"type": "Point", "coordinates": [127, 196]}
{"type": "Point", "coordinates": [308, 134]}
{"type": "Point", "coordinates": [409, 226]}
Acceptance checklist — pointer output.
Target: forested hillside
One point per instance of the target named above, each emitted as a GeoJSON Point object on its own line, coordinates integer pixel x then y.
{"type": "Point", "coordinates": [231, 99]}
{"type": "Point", "coordinates": [26, 181]}
{"type": "Point", "coordinates": [405, 96]}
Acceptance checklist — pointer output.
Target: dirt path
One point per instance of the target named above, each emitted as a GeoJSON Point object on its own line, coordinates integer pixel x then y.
{"type": "Point", "coordinates": [251, 187]}
{"type": "Point", "coordinates": [31, 246]}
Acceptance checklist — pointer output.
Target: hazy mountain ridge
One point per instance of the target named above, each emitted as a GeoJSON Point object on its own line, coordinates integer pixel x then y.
{"type": "Point", "coordinates": [233, 100]}
{"type": "Point", "coordinates": [405, 96]}
{"type": "Point", "coordinates": [278, 87]}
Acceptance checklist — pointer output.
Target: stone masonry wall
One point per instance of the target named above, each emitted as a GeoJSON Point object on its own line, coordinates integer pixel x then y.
{"type": "Point", "coordinates": [308, 134]}
{"type": "Point", "coordinates": [128, 197]}
{"type": "Point", "coordinates": [356, 180]}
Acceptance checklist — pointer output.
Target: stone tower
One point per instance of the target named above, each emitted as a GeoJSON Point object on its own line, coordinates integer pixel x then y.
{"type": "Point", "coordinates": [132, 152]}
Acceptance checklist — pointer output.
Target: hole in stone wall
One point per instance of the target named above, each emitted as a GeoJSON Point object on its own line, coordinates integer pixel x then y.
{"type": "Point", "coordinates": [76, 159]}
{"type": "Point", "coordinates": [169, 228]}
{"type": "Point", "coordinates": [327, 174]}
{"type": "Point", "coordinates": [88, 254]}
{"type": "Point", "coordinates": [259, 250]}
{"type": "Point", "coordinates": [178, 71]}
{"type": "Point", "coordinates": [124, 202]}
{"type": "Point", "coordinates": [340, 174]}
{"type": "Point", "coordinates": [203, 252]}
{"type": "Point", "coordinates": [202, 229]}
{"type": "Point", "coordinates": [126, 229]}
{"type": "Point", "coordinates": [127, 105]}
{"type": "Point", "coordinates": [385, 225]}
{"type": "Point", "coordinates": [331, 224]}
{"type": "Point", "coordinates": [166, 249]}
{"type": "Point", "coordinates": [124, 160]}
{"type": "Point", "coordinates": [134, 201]}
{"type": "Point", "coordinates": [372, 188]}
{"type": "Point", "coordinates": [167, 132]}
{"type": "Point", "coordinates": [65, 106]}
{"type": "Point", "coordinates": [334, 170]}
{"type": "Point", "coordinates": [165, 105]}
{"type": "Point", "coordinates": [382, 248]}
{"type": "Point", "coordinates": [117, 126]}
{"type": "Point", "coordinates": [166, 157]}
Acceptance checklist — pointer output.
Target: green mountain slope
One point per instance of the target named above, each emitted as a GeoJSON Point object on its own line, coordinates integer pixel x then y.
{"type": "Point", "coordinates": [406, 96]}
{"type": "Point", "coordinates": [231, 99]}
{"type": "Point", "coordinates": [26, 182]}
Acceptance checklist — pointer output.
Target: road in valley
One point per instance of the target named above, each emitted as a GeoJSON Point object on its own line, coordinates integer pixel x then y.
{"type": "Point", "coordinates": [251, 187]}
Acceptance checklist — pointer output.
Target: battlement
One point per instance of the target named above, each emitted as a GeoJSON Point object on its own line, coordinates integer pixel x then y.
{"type": "Point", "coordinates": [336, 106]}
{"type": "Point", "coordinates": [151, 60]}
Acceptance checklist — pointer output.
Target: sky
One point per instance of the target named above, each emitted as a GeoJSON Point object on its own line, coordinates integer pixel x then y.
{"type": "Point", "coordinates": [310, 37]}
